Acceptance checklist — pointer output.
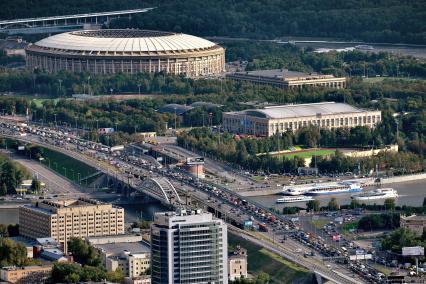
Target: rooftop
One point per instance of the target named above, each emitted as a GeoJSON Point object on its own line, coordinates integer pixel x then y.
{"type": "Point", "coordinates": [175, 108]}
{"type": "Point", "coordinates": [414, 217]}
{"type": "Point", "coordinates": [139, 41]}
{"type": "Point", "coordinates": [282, 73]}
{"type": "Point", "coordinates": [118, 248]}
{"type": "Point", "coordinates": [300, 110]}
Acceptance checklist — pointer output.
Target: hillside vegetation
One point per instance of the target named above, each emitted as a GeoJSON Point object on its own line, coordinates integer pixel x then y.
{"type": "Point", "coordinates": [369, 20]}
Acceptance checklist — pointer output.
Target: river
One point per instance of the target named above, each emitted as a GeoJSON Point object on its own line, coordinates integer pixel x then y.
{"type": "Point", "coordinates": [410, 193]}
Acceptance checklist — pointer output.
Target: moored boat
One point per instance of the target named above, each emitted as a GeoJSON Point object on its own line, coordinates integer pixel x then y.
{"type": "Point", "coordinates": [379, 193]}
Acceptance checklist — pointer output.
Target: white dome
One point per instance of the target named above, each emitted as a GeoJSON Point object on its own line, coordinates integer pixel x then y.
{"type": "Point", "coordinates": [128, 41]}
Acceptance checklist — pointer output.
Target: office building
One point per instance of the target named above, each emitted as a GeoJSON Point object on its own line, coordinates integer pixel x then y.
{"type": "Point", "coordinates": [63, 219]}
{"type": "Point", "coordinates": [26, 274]}
{"type": "Point", "coordinates": [415, 223]}
{"type": "Point", "coordinates": [278, 119]}
{"type": "Point", "coordinates": [127, 51]}
{"type": "Point", "coordinates": [283, 78]}
{"type": "Point", "coordinates": [237, 264]}
{"type": "Point", "coordinates": [188, 247]}
{"type": "Point", "coordinates": [127, 252]}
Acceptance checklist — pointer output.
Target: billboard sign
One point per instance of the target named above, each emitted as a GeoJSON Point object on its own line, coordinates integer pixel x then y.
{"type": "Point", "coordinates": [361, 256]}
{"type": "Point", "coordinates": [413, 251]}
{"type": "Point", "coordinates": [21, 148]}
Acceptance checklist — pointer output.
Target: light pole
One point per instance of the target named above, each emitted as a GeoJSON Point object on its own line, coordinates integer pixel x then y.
{"type": "Point", "coordinates": [139, 89]}
{"type": "Point", "coordinates": [60, 87]}
{"type": "Point", "coordinates": [65, 170]}
{"type": "Point", "coordinates": [73, 178]}
{"type": "Point", "coordinates": [75, 122]}
{"type": "Point", "coordinates": [56, 125]}
{"type": "Point", "coordinates": [175, 117]}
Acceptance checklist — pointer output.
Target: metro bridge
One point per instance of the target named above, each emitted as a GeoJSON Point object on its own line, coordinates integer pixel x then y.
{"type": "Point", "coordinates": [66, 22]}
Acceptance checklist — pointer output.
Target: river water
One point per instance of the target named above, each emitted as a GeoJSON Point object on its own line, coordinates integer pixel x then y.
{"type": "Point", "coordinates": [410, 193]}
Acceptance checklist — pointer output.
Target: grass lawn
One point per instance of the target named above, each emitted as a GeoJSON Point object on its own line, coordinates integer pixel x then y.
{"type": "Point", "coordinates": [319, 223]}
{"type": "Point", "coordinates": [257, 178]}
{"type": "Point", "coordinates": [346, 227]}
{"type": "Point", "coordinates": [261, 260]}
{"type": "Point", "coordinates": [311, 153]}
{"type": "Point", "coordinates": [381, 79]}
{"type": "Point", "coordinates": [385, 270]}
{"type": "Point", "coordinates": [63, 164]}
{"type": "Point", "coordinates": [39, 102]}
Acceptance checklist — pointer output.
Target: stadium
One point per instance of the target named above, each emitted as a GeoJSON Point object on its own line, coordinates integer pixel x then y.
{"type": "Point", "coordinates": [128, 52]}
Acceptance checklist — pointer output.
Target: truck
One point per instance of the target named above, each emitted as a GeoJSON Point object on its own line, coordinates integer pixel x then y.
{"type": "Point", "coordinates": [248, 224]}
{"type": "Point", "coordinates": [116, 148]}
{"type": "Point", "coordinates": [107, 130]}
{"type": "Point", "coordinates": [263, 227]}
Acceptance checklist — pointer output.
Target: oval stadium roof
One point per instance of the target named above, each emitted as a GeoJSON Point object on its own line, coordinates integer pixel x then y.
{"type": "Point", "coordinates": [134, 41]}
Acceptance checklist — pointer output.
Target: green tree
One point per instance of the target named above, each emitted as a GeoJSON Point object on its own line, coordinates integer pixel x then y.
{"type": "Point", "coordinates": [116, 276]}
{"type": "Point", "coordinates": [12, 253]}
{"type": "Point", "coordinates": [333, 205]}
{"type": "Point", "coordinates": [354, 204]}
{"type": "Point", "coordinates": [3, 189]}
{"type": "Point", "coordinates": [83, 253]}
{"type": "Point", "coordinates": [35, 185]}
{"type": "Point", "coordinates": [313, 205]}
{"type": "Point", "coordinates": [389, 204]}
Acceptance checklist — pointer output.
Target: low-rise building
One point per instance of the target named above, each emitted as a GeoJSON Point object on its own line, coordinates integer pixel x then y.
{"type": "Point", "coordinates": [237, 264]}
{"type": "Point", "coordinates": [127, 252]}
{"type": "Point", "coordinates": [272, 120]}
{"type": "Point", "coordinates": [26, 274]}
{"type": "Point", "coordinates": [63, 219]}
{"type": "Point", "coordinates": [413, 223]}
{"type": "Point", "coordinates": [144, 279]}
{"type": "Point", "coordinates": [283, 78]}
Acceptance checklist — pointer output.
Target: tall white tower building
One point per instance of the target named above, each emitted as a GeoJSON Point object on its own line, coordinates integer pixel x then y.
{"type": "Point", "coordinates": [188, 247]}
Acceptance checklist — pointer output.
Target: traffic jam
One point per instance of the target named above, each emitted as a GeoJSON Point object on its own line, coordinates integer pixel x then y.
{"type": "Point", "coordinates": [248, 215]}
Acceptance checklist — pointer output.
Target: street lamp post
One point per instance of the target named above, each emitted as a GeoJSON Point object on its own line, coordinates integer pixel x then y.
{"type": "Point", "coordinates": [65, 170]}
{"type": "Point", "coordinates": [56, 125]}
{"type": "Point", "coordinates": [139, 89]}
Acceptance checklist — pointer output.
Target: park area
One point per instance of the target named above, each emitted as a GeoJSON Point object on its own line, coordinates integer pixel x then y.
{"type": "Point", "coordinates": [307, 153]}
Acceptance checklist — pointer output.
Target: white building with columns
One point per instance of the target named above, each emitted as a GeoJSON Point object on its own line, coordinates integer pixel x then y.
{"type": "Point", "coordinates": [278, 119]}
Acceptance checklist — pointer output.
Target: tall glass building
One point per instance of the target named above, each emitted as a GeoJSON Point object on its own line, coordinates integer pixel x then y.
{"type": "Point", "coordinates": [188, 247]}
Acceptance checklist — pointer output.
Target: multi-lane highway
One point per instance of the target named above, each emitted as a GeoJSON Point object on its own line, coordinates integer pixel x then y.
{"type": "Point", "coordinates": [223, 200]}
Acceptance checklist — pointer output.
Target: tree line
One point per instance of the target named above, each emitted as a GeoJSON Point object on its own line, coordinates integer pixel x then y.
{"type": "Point", "coordinates": [11, 175]}
{"type": "Point", "coordinates": [377, 21]}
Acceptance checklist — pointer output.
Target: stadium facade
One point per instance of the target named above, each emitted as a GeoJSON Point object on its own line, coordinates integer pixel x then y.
{"type": "Point", "coordinates": [128, 52]}
{"type": "Point", "coordinates": [278, 119]}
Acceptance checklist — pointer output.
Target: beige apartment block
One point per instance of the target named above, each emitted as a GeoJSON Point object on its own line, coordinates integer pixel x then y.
{"type": "Point", "coordinates": [237, 264]}
{"type": "Point", "coordinates": [279, 119]}
{"type": "Point", "coordinates": [63, 219]}
{"type": "Point", "coordinates": [415, 223]}
{"type": "Point", "coordinates": [26, 274]}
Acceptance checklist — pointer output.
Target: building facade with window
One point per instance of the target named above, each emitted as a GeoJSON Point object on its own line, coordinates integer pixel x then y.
{"type": "Point", "coordinates": [26, 274]}
{"type": "Point", "coordinates": [285, 79]}
{"type": "Point", "coordinates": [278, 119]}
{"type": "Point", "coordinates": [237, 264]}
{"type": "Point", "coordinates": [63, 219]}
{"type": "Point", "coordinates": [128, 51]}
{"type": "Point", "coordinates": [188, 247]}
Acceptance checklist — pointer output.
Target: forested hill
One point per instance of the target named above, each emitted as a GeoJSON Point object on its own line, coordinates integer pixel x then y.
{"type": "Point", "coordinates": [368, 20]}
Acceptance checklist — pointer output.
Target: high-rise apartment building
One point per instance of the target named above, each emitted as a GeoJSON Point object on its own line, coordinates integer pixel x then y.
{"type": "Point", "coordinates": [63, 219]}
{"type": "Point", "coordinates": [188, 247]}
